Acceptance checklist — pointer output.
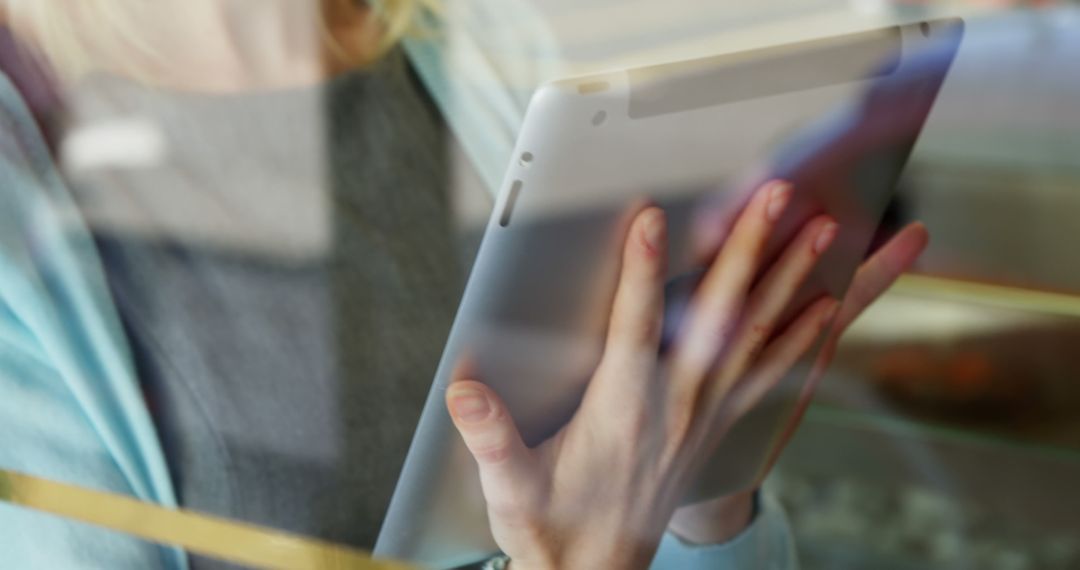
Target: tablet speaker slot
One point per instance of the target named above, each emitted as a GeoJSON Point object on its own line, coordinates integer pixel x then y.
{"type": "Point", "coordinates": [511, 200]}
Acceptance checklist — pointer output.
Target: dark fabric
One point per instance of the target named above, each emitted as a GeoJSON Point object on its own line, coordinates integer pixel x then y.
{"type": "Point", "coordinates": [286, 390]}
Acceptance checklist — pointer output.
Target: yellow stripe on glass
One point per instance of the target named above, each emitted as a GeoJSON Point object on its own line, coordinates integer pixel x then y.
{"type": "Point", "coordinates": [1007, 297]}
{"type": "Point", "coordinates": [210, 536]}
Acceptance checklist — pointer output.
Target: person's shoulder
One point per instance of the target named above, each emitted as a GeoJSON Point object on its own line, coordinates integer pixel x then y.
{"type": "Point", "coordinates": [29, 87]}
{"type": "Point", "coordinates": [28, 177]}
{"type": "Point", "coordinates": [19, 134]}
{"type": "Point", "coordinates": [29, 105]}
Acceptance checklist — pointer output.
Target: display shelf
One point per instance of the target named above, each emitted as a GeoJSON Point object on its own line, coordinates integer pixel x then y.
{"type": "Point", "coordinates": [869, 490]}
{"type": "Point", "coordinates": [946, 435]}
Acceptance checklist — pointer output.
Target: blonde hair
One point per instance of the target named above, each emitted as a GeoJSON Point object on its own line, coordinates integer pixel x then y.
{"type": "Point", "coordinates": [79, 36]}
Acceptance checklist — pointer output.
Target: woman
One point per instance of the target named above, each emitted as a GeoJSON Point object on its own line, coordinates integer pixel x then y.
{"type": "Point", "coordinates": [234, 299]}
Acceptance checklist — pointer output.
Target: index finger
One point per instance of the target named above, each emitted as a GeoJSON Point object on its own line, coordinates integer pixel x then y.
{"type": "Point", "coordinates": [717, 305]}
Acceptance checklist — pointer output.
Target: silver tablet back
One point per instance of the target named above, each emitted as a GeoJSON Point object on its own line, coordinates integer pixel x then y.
{"type": "Point", "coordinates": [838, 117]}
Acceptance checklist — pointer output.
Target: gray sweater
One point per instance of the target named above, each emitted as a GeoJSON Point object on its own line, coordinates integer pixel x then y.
{"type": "Point", "coordinates": [286, 272]}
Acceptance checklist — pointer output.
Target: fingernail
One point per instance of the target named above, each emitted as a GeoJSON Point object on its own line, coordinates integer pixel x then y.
{"type": "Point", "coordinates": [470, 405]}
{"type": "Point", "coordinates": [653, 230]}
{"type": "Point", "coordinates": [825, 238]}
{"type": "Point", "coordinates": [778, 199]}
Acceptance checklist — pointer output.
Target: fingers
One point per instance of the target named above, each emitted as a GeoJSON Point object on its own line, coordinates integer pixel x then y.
{"type": "Point", "coordinates": [713, 221]}
{"type": "Point", "coordinates": [884, 267]}
{"type": "Point", "coordinates": [492, 438]}
{"type": "Point", "coordinates": [714, 312]}
{"type": "Point", "coordinates": [782, 354]}
{"type": "Point", "coordinates": [775, 292]}
{"type": "Point", "coordinates": [873, 279]}
{"type": "Point", "coordinates": [637, 312]}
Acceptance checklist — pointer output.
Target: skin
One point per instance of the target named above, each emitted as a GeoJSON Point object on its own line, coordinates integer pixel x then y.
{"type": "Point", "coordinates": [602, 491]}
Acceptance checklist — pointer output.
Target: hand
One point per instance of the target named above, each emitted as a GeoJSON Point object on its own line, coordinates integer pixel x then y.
{"type": "Point", "coordinates": [601, 491]}
{"type": "Point", "coordinates": [720, 519]}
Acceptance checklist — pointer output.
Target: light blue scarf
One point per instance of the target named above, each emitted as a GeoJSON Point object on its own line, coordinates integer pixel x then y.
{"type": "Point", "coordinates": [70, 407]}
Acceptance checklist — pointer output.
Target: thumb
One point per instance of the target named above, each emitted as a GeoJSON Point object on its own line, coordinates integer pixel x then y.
{"type": "Point", "coordinates": [491, 436]}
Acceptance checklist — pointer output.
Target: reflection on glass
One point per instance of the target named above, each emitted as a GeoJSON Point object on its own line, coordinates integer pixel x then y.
{"type": "Point", "coordinates": [233, 236]}
{"type": "Point", "coordinates": [217, 538]}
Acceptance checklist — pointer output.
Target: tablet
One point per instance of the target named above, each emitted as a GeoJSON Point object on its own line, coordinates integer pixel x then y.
{"type": "Point", "coordinates": [838, 117]}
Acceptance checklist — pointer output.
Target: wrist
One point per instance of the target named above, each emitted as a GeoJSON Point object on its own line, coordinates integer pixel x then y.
{"type": "Point", "coordinates": [617, 560]}
{"type": "Point", "coordinates": [617, 563]}
{"type": "Point", "coordinates": [715, 521]}
{"type": "Point", "coordinates": [593, 552]}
